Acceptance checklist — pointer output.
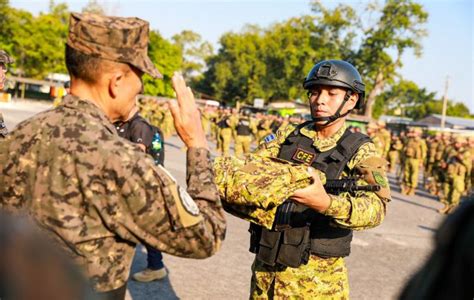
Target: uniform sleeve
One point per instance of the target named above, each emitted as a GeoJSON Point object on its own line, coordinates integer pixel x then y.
{"type": "Point", "coordinates": [361, 210]}
{"type": "Point", "coordinates": [150, 208]}
{"type": "Point", "coordinates": [270, 145]}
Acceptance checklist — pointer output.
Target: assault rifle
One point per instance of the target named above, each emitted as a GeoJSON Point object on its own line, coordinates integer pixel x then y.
{"type": "Point", "coordinates": [337, 186]}
{"type": "Point", "coordinates": [291, 214]}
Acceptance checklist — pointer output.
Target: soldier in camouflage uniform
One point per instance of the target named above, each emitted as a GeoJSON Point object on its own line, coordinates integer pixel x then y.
{"type": "Point", "coordinates": [244, 129]}
{"type": "Point", "coordinates": [384, 135]}
{"type": "Point", "coordinates": [96, 193]}
{"type": "Point", "coordinates": [413, 154]}
{"type": "Point", "coordinates": [5, 59]}
{"type": "Point", "coordinates": [457, 165]}
{"type": "Point", "coordinates": [377, 139]}
{"type": "Point", "coordinates": [316, 268]}
{"type": "Point", "coordinates": [393, 155]}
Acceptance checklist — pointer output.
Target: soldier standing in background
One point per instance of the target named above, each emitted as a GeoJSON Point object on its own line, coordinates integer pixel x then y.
{"type": "Point", "coordinates": [244, 130]}
{"type": "Point", "coordinates": [97, 194]}
{"type": "Point", "coordinates": [5, 59]}
{"type": "Point", "coordinates": [385, 137]}
{"type": "Point", "coordinates": [377, 139]}
{"type": "Point", "coordinates": [225, 133]}
{"type": "Point", "coordinates": [395, 147]}
{"type": "Point", "coordinates": [457, 164]}
{"type": "Point", "coordinates": [150, 139]}
{"type": "Point", "coordinates": [413, 154]}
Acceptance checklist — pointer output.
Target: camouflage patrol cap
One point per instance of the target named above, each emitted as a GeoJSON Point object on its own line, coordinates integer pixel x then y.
{"type": "Point", "coordinates": [123, 40]}
{"type": "Point", "coordinates": [5, 58]}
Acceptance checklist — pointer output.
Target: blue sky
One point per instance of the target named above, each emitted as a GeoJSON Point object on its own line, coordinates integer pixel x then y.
{"type": "Point", "coordinates": [448, 49]}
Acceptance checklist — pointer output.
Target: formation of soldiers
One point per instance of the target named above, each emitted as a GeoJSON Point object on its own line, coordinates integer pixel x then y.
{"type": "Point", "coordinates": [224, 125]}
{"type": "Point", "coordinates": [444, 159]}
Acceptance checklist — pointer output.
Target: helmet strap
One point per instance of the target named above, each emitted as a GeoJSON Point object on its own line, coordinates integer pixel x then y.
{"type": "Point", "coordinates": [337, 115]}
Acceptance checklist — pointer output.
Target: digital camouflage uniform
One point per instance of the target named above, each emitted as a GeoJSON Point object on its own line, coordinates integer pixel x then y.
{"type": "Point", "coordinates": [97, 194]}
{"type": "Point", "coordinates": [4, 59]}
{"type": "Point", "coordinates": [252, 188]}
{"type": "Point", "coordinates": [320, 278]}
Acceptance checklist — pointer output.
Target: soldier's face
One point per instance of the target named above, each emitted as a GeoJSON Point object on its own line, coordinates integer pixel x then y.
{"type": "Point", "coordinates": [325, 101]}
{"type": "Point", "coordinates": [3, 71]}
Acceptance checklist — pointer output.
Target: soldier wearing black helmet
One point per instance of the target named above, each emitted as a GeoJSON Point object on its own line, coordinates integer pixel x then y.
{"type": "Point", "coordinates": [283, 268]}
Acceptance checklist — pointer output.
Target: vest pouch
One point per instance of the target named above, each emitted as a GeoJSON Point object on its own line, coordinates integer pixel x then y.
{"type": "Point", "coordinates": [295, 247]}
{"type": "Point", "coordinates": [269, 246]}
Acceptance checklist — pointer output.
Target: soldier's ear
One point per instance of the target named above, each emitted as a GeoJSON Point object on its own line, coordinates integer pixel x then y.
{"type": "Point", "coordinates": [116, 81]}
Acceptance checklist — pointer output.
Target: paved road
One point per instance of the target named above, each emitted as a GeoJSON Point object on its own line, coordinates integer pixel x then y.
{"type": "Point", "coordinates": [382, 259]}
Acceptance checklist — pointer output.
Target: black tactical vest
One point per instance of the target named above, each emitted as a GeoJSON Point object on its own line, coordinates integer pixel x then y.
{"type": "Point", "coordinates": [243, 127]}
{"type": "Point", "coordinates": [325, 240]}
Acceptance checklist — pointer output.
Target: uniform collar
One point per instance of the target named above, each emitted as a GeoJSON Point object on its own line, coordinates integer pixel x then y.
{"type": "Point", "coordinates": [89, 108]}
{"type": "Point", "coordinates": [322, 144]}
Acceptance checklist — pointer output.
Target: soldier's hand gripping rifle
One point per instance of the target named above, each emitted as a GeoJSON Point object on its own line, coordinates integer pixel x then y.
{"type": "Point", "coordinates": [337, 186]}
{"type": "Point", "coordinates": [291, 214]}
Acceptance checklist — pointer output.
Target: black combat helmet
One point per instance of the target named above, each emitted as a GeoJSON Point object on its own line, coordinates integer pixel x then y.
{"type": "Point", "coordinates": [336, 73]}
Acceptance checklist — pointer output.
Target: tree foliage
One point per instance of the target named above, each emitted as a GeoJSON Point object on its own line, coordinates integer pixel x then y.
{"type": "Point", "coordinates": [37, 44]}
{"type": "Point", "coordinates": [195, 52]}
{"type": "Point", "coordinates": [406, 99]}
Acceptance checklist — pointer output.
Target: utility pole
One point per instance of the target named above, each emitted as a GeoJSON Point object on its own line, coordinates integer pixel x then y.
{"type": "Point", "coordinates": [445, 103]}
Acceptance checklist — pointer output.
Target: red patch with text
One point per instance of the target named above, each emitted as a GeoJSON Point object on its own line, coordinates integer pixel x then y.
{"type": "Point", "coordinates": [304, 156]}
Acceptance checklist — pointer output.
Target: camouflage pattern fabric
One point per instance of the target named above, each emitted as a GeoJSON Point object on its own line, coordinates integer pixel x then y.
{"type": "Point", "coordinates": [252, 188]}
{"type": "Point", "coordinates": [358, 211]}
{"type": "Point", "coordinates": [99, 195]}
{"type": "Point", "coordinates": [3, 127]}
{"type": "Point", "coordinates": [118, 39]}
{"type": "Point", "coordinates": [5, 58]}
{"type": "Point", "coordinates": [320, 278]}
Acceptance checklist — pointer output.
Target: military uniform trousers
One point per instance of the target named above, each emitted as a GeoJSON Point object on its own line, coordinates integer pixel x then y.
{"type": "Point", "coordinates": [393, 159]}
{"type": "Point", "coordinates": [225, 136]}
{"type": "Point", "coordinates": [411, 171]}
{"type": "Point", "coordinates": [320, 278]}
{"type": "Point", "coordinates": [242, 144]}
{"type": "Point", "coordinates": [453, 189]}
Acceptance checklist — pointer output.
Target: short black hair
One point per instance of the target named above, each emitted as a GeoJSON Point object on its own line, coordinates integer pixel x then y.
{"type": "Point", "coordinates": [82, 66]}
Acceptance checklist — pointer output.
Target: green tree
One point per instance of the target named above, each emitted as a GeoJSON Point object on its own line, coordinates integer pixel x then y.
{"type": "Point", "coordinates": [399, 28]}
{"type": "Point", "coordinates": [168, 59]}
{"type": "Point", "coordinates": [195, 52]}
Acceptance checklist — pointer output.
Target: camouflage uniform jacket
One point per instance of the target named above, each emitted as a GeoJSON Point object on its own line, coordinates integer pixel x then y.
{"type": "Point", "coordinates": [3, 127]}
{"type": "Point", "coordinates": [99, 194]}
{"type": "Point", "coordinates": [356, 211]}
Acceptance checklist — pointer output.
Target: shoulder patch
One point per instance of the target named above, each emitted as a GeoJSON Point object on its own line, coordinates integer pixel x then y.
{"type": "Point", "coordinates": [269, 138]}
{"type": "Point", "coordinates": [188, 203]}
{"type": "Point", "coordinates": [156, 143]}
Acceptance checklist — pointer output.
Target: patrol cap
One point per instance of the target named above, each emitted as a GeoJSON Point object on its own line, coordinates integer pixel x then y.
{"type": "Point", "coordinates": [118, 39]}
{"type": "Point", "coordinates": [5, 58]}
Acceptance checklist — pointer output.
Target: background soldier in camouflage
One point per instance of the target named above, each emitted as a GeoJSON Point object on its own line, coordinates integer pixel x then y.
{"type": "Point", "coordinates": [5, 59]}
{"type": "Point", "coordinates": [331, 98]}
{"type": "Point", "coordinates": [393, 155]}
{"type": "Point", "coordinates": [458, 163]}
{"type": "Point", "coordinates": [413, 154]}
{"type": "Point", "coordinates": [384, 135]}
{"type": "Point", "coordinates": [377, 139]}
{"type": "Point", "coordinates": [96, 193]}
{"type": "Point", "coordinates": [244, 129]}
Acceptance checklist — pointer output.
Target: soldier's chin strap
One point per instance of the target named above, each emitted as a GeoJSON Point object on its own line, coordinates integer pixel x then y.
{"type": "Point", "coordinates": [337, 115]}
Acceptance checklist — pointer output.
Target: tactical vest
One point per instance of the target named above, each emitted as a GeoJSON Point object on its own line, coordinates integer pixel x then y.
{"type": "Point", "coordinates": [223, 123]}
{"type": "Point", "coordinates": [243, 127]}
{"type": "Point", "coordinates": [292, 247]}
{"type": "Point", "coordinates": [134, 129]}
